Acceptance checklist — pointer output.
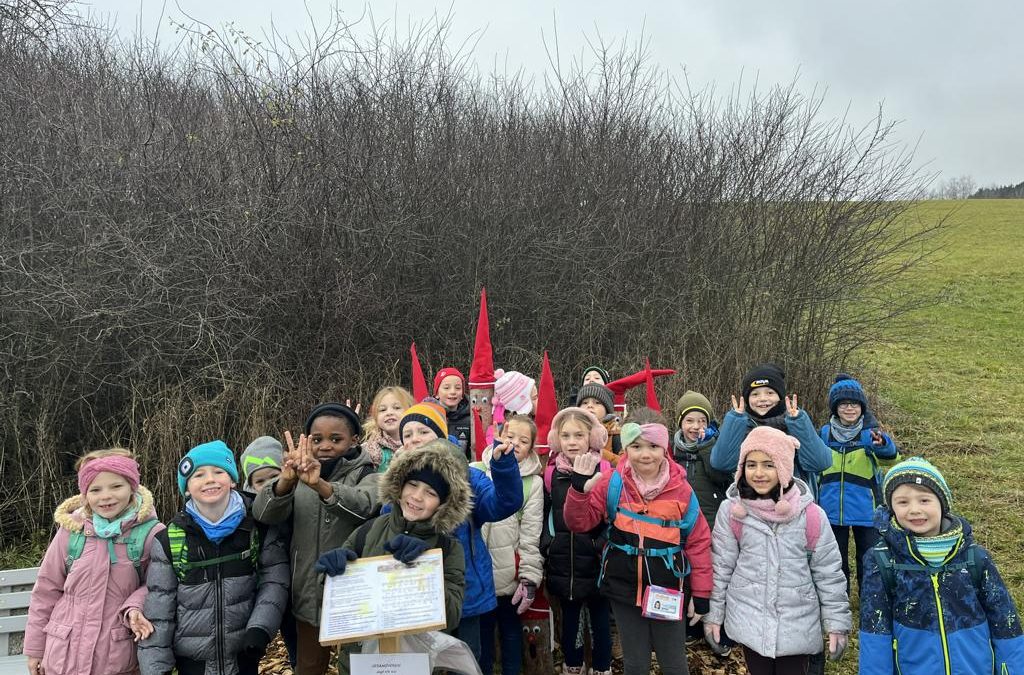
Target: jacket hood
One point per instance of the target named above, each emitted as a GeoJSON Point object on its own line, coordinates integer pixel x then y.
{"type": "Point", "coordinates": [72, 516]}
{"type": "Point", "coordinates": [444, 458]}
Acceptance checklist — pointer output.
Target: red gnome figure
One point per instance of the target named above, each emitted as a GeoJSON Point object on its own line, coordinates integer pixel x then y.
{"type": "Point", "coordinates": [481, 380]}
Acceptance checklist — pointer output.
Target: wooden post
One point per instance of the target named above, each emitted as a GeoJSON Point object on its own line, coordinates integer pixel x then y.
{"type": "Point", "coordinates": [388, 644]}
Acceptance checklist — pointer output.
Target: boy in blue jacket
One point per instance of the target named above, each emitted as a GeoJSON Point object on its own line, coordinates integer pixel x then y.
{"type": "Point", "coordinates": [764, 402]}
{"type": "Point", "coordinates": [933, 601]}
{"type": "Point", "coordinates": [851, 489]}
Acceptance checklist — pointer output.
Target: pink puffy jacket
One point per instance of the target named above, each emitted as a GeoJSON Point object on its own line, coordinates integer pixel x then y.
{"type": "Point", "coordinates": [77, 622]}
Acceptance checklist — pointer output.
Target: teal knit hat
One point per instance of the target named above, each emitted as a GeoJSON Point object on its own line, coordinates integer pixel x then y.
{"type": "Point", "coordinates": [917, 471]}
{"type": "Point", "coordinates": [214, 453]}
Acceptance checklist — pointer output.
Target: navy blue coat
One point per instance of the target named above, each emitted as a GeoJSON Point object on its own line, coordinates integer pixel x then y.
{"type": "Point", "coordinates": [938, 622]}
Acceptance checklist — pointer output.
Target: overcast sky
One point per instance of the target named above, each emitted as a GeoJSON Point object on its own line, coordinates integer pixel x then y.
{"type": "Point", "coordinates": [952, 71]}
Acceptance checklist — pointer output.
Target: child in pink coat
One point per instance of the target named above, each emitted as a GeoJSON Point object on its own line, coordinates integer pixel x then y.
{"type": "Point", "coordinates": [85, 615]}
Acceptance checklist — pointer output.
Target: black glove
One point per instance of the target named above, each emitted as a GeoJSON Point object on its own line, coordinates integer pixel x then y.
{"type": "Point", "coordinates": [701, 605]}
{"type": "Point", "coordinates": [578, 481]}
{"type": "Point", "coordinates": [254, 643]}
{"type": "Point", "coordinates": [406, 548]}
{"type": "Point", "coordinates": [333, 563]}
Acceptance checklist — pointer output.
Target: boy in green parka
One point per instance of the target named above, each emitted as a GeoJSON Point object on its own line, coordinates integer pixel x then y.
{"type": "Point", "coordinates": [429, 496]}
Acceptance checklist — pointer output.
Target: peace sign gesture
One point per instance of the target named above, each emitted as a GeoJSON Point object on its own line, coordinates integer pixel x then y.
{"type": "Point", "coordinates": [877, 439]}
{"type": "Point", "coordinates": [501, 449]}
{"type": "Point", "coordinates": [305, 463]}
{"type": "Point", "coordinates": [792, 407]}
{"type": "Point", "coordinates": [741, 406]}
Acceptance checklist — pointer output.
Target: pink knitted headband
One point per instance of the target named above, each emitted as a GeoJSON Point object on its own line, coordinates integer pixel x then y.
{"type": "Point", "coordinates": [654, 433]}
{"type": "Point", "coordinates": [122, 466]}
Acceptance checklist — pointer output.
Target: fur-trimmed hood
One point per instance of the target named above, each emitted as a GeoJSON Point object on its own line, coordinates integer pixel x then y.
{"type": "Point", "coordinates": [73, 515]}
{"type": "Point", "coordinates": [442, 457]}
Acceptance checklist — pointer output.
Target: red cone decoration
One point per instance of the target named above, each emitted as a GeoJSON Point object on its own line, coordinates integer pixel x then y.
{"type": "Point", "coordinates": [547, 406]}
{"type": "Point", "coordinates": [481, 373]}
{"type": "Point", "coordinates": [419, 383]}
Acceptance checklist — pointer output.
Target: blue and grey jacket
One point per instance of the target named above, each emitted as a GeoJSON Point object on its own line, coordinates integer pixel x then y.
{"type": "Point", "coordinates": [851, 489]}
{"type": "Point", "coordinates": [937, 621]}
{"type": "Point", "coordinates": [812, 458]}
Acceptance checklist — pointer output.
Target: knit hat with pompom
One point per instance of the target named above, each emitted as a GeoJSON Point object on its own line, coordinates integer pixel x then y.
{"type": "Point", "coordinates": [781, 448]}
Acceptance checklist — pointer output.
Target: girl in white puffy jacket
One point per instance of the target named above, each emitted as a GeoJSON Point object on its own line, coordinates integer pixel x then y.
{"type": "Point", "coordinates": [778, 572]}
{"type": "Point", "coordinates": [514, 544]}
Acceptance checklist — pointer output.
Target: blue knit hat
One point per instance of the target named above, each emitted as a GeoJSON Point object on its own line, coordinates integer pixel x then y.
{"type": "Point", "coordinates": [917, 471]}
{"type": "Point", "coordinates": [214, 453]}
{"type": "Point", "coordinates": [846, 389]}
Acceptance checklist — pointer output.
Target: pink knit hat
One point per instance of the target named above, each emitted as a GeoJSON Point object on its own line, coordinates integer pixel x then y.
{"type": "Point", "coordinates": [781, 448]}
{"type": "Point", "coordinates": [778, 445]}
{"type": "Point", "coordinates": [512, 391]}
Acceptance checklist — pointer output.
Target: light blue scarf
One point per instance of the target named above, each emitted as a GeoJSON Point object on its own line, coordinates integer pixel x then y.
{"type": "Point", "coordinates": [111, 529]}
{"type": "Point", "coordinates": [228, 523]}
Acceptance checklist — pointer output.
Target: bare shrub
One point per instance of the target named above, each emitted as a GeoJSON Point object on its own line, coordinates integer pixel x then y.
{"type": "Point", "coordinates": [205, 242]}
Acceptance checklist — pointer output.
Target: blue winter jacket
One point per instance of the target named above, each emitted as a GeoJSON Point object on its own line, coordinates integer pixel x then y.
{"type": "Point", "coordinates": [938, 623]}
{"type": "Point", "coordinates": [495, 498]}
{"type": "Point", "coordinates": [812, 458]}
{"type": "Point", "coordinates": [851, 489]}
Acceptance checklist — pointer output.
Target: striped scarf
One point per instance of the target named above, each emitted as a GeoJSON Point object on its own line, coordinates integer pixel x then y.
{"type": "Point", "coordinates": [937, 550]}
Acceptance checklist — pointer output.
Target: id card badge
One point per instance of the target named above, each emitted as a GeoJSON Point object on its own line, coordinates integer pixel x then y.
{"type": "Point", "coordinates": [663, 603]}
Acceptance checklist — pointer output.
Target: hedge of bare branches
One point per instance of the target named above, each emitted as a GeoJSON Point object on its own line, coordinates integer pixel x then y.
{"type": "Point", "coordinates": [203, 242]}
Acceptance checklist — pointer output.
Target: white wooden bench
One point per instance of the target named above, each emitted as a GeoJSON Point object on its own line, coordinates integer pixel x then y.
{"type": "Point", "coordinates": [15, 591]}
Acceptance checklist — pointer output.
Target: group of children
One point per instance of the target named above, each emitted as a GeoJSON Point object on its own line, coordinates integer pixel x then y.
{"type": "Point", "coordinates": [736, 533]}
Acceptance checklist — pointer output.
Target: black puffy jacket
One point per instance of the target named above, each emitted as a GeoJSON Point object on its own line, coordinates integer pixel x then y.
{"type": "Point", "coordinates": [572, 562]}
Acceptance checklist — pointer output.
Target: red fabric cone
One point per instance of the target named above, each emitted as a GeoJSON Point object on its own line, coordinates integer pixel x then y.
{"type": "Point", "coordinates": [419, 383]}
{"type": "Point", "coordinates": [652, 396]}
{"type": "Point", "coordinates": [547, 406]}
{"type": "Point", "coordinates": [481, 373]}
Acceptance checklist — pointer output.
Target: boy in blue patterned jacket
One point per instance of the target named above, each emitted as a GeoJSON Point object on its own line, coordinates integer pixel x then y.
{"type": "Point", "coordinates": [933, 601]}
{"type": "Point", "coordinates": [851, 489]}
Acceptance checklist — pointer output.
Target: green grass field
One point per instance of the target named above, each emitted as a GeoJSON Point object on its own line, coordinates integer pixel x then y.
{"type": "Point", "coordinates": [951, 386]}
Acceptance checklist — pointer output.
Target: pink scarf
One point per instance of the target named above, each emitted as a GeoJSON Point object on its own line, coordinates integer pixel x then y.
{"type": "Point", "coordinates": [375, 444]}
{"type": "Point", "coordinates": [769, 510]}
{"type": "Point", "coordinates": [564, 465]}
{"type": "Point", "coordinates": [648, 489]}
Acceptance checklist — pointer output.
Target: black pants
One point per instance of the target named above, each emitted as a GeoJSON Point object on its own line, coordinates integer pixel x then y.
{"type": "Point", "coordinates": [863, 539]}
{"type": "Point", "coordinates": [640, 636]}
{"type": "Point", "coordinates": [783, 665]}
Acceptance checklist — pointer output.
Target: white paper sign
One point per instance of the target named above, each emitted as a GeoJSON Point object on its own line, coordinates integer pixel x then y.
{"type": "Point", "coordinates": [383, 596]}
{"type": "Point", "coordinates": [390, 664]}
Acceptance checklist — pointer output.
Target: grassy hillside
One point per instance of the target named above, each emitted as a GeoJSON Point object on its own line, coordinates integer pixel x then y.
{"type": "Point", "coordinates": [951, 386]}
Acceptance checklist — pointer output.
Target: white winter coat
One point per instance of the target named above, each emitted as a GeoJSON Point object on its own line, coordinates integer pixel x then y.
{"type": "Point", "coordinates": [767, 593]}
{"type": "Point", "coordinates": [519, 533]}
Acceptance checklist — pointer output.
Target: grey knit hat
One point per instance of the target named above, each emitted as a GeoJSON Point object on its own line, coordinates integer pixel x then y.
{"type": "Point", "coordinates": [598, 391]}
{"type": "Point", "coordinates": [264, 452]}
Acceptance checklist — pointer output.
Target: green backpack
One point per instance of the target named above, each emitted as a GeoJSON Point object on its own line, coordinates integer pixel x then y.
{"type": "Point", "coordinates": [177, 539]}
{"type": "Point", "coordinates": [135, 541]}
{"type": "Point", "coordinates": [887, 567]}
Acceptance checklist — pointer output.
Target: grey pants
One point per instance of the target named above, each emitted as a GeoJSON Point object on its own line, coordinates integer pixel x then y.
{"type": "Point", "coordinates": [641, 636]}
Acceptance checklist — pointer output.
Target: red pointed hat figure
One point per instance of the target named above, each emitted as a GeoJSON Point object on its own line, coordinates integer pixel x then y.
{"type": "Point", "coordinates": [620, 386]}
{"type": "Point", "coordinates": [547, 406]}
{"type": "Point", "coordinates": [419, 383]}
{"type": "Point", "coordinates": [481, 377]}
